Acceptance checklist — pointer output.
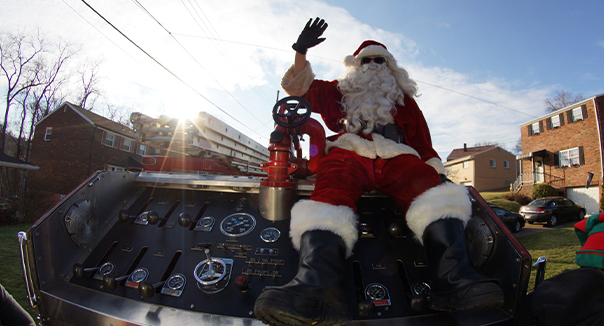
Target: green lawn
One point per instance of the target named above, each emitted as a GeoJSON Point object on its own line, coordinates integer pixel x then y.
{"type": "Point", "coordinates": [11, 275]}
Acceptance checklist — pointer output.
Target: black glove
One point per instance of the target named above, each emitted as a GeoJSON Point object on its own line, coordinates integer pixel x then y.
{"type": "Point", "coordinates": [310, 35]}
{"type": "Point", "coordinates": [443, 178]}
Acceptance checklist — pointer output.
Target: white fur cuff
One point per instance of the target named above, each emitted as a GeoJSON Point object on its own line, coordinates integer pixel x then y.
{"type": "Point", "coordinates": [297, 85]}
{"type": "Point", "coordinates": [447, 200]}
{"type": "Point", "coordinates": [308, 215]}
{"type": "Point", "coordinates": [437, 165]}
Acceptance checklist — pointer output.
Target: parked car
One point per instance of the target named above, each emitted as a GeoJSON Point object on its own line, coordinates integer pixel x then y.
{"type": "Point", "coordinates": [514, 221]}
{"type": "Point", "coordinates": [551, 210]}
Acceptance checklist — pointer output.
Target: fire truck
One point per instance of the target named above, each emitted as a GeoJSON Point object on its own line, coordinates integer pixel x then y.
{"type": "Point", "coordinates": [184, 246]}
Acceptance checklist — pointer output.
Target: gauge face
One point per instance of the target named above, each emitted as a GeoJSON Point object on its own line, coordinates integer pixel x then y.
{"type": "Point", "coordinates": [270, 234]}
{"type": "Point", "coordinates": [375, 292]}
{"type": "Point", "coordinates": [106, 268]}
{"type": "Point", "coordinates": [139, 275]}
{"type": "Point", "coordinates": [176, 281]}
{"type": "Point", "coordinates": [206, 222]}
{"type": "Point", "coordinates": [237, 225]}
{"type": "Point", "coordinates": [421, 288]}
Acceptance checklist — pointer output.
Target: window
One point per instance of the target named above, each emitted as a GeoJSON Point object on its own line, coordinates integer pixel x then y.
{"type": "Point", "coordinates": [108, 139]}
{"type": "Point", "coordinates": [577, 114]}
{"type": "Point", "coordinates": [142, 150]}
{"type": "Point", "coordinates": [535, 128]}
{"type": "Point", "coordinates": [506, 164]}
{"type": "Point", "coordinates": [48, 134]}
{"type": "Point", "coordinates": [555, 121]}
{"type": "Point", "coordinates": [569, 157]}
{"type": "Point", "coordinates": [492, 163]}
{"type": "Point", "coordinates": [465, 164]}
{"type": "Point", "coordinates": [127, 145]}
{"type": "Point", "coordinates": [114, 168]}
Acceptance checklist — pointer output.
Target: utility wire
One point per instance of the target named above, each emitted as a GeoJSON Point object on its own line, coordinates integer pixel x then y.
{"type": "Point", "coordinates": [332, 60]}
{"type": "Point", "coordinates": [194, 59]}
{"type": "Point", "coordinates": [164, 67]}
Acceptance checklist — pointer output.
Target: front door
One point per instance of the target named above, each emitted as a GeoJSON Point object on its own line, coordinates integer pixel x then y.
{"type": "Point", "coordinates": [539, 169]}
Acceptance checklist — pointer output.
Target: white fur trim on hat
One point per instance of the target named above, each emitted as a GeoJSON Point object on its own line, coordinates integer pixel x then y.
{"type": "Point", "coordinates": [447, 200]}
{"type": "Point", "coordinates": [297, 85]}
{"type": "Point", "coordinates": [437, 164]}
{"type": "Point", "coordinates": [308, 215]}
{"type": "Point", "coordinates": [369, 51]}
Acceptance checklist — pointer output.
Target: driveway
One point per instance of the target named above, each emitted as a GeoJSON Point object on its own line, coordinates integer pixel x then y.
{"type": "Point", "coordinates": [529, 229]}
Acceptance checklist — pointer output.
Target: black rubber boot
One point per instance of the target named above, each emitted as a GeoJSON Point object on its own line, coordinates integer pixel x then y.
{"type": "Point", "coordinates": [455, 284]}
{"type": "Point", "coordinates": [315, 296]}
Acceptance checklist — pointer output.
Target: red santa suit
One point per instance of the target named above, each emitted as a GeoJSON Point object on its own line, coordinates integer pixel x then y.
{"type": "Point", "coordinates": [406, 171]}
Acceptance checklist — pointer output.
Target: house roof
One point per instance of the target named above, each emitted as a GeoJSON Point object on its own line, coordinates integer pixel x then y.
{"type": "Point", "coordinates": [468, 151]}
{"type": "Point", "coordinates": [551, 114]}
{"type": "Point", "coordinates": [96, 120]}
{"type": "Point", "coordinates": [11, 162]}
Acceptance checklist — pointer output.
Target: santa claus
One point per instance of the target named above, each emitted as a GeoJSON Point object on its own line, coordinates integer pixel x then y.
{"type": "Point", "coordinates": [382, 143]}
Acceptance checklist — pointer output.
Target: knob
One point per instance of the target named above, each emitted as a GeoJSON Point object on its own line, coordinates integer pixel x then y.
{"type": "Point", "coordinates": [242, 282]}
{"type": "Point", "coordinates": [184, 219]}
{"type": "Point", "coordinates": [124, 216]}
{"type": "Point", "coordinates": [146, 289]}
{"type": "Point", "coordinates": [110, 282]}
{"type": "Point", "coordinates": [365, 308]}
{"type": "Point", "coordinates": [419, 303]}
{"type": "Point", "coordinates": [395, 230]}
{"type": "Point", "coordinates": [79, 270]}
{"type": "Point", "coordinates": [153, 217]}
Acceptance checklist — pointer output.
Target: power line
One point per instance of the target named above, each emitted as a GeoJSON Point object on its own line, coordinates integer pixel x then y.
{"type": "Point", "coordinates": [194, 59]}
{"type": "Point", "coordinates": [332, 60]}
{"type": "Point", "coordinates": [164, 67]}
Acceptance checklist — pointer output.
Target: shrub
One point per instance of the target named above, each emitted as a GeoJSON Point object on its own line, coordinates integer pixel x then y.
{"type": "Point", "coordinates": [511, 206]}
{"type": "Point", "coordinates": [544, 190]}
{"type": "Point", "coordinates": [519, 198]}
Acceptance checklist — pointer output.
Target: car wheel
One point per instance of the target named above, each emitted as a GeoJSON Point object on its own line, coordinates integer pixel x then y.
{"type": "Point", "coordinates": [581, 216]}
{"type": "Point", "coordinates": [517, 227]}
{"type": "Point", "coordinates": [552, 221]}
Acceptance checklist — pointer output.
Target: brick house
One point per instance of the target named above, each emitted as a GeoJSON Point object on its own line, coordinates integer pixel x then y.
{"type": "Point", "coordinates": [71, 143]}
{"type": "Point", "coordinates": [563, 149]}
{"type": "Point", "coordinates": [483, 167]}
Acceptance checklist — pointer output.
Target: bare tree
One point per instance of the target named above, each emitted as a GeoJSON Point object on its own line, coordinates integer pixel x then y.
{"type": "Point", "coordinates": [561, 99]}
{"type": "Point", "coordinates": [118, 113]}
{"type": "Point", "coordinates": [20, 65]}
{"type": "Point", "coordinates": [89, 73]}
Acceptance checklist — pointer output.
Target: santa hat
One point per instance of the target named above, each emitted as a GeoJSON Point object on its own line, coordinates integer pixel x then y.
{"type": "Point", "coordinates": [590, 232]}
{"type": "Point", "coordinates": [368, 48]}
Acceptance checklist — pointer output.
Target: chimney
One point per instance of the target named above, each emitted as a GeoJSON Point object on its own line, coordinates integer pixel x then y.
{"type": "Point", "coordinates": [465, 147]}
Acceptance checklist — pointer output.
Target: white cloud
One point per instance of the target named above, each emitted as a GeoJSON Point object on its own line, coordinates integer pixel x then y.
{"type": "Point", "coordinates": [241, 73]}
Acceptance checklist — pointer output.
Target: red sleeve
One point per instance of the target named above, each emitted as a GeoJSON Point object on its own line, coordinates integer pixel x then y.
{"type": "Point", "coordinates": [325, 98]}
{"type": "Point", "coordinates": [415, 128]}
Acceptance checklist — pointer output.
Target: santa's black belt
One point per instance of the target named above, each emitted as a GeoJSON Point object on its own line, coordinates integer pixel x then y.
{"type": "Point", "coordinates": [392, 132]}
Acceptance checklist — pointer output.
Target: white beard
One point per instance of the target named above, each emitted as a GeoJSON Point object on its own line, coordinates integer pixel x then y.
{"type": "Point", "coordinates": [370, 94]}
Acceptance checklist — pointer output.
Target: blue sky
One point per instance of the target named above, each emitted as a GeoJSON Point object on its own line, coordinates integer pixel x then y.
{"type": "Point", "coordinates": [483, 67]}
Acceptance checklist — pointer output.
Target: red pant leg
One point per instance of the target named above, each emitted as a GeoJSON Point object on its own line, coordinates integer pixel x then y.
{"type": "Point", "coordinates": [342, 178]}
{"type": "Point", "coordinates": [403, 178]}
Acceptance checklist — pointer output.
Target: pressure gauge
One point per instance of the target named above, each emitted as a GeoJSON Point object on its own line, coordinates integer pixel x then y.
{"type": "Point", "coordinates": [270, 234]}
{"type": "Point", "coordinates": [237, 225]}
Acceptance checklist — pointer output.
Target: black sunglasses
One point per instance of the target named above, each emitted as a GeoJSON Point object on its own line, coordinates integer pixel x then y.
{"type": "Point", "coordinates": [378, 60]}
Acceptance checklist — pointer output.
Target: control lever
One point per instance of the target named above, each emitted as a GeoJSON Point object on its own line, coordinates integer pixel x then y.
{"type": "Point", "coordinates": [110, 282]}
{"type": "Point", "coordinates": [146, 289]}
{"type": "Point", "coordinates": [79, 270]}
{"type": "Point", "coordinates": [184, 220]}
{"type": "Point", "coordinates": [150, 217]}
{"type": "Point", "coordinates": [540, 275]}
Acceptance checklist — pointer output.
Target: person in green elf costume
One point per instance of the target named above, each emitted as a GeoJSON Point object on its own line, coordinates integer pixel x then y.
{"type": "Point", "coordinates": [573, 297]}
